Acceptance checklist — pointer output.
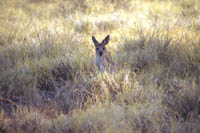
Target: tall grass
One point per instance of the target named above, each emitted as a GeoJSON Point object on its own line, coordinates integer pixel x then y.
{"type": "Point", "coordinates": [49, 82]}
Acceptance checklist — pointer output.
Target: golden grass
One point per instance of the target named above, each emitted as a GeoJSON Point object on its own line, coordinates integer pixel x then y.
{"type": "Point", "coordinates": [49, 83]}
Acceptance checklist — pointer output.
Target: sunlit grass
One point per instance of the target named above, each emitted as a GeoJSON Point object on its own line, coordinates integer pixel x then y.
{"type": "Point", "coordinates": [49, 82]}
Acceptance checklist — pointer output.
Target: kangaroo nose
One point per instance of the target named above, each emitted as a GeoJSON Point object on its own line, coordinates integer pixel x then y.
{"type": "Point", "coordinates": [100, 53]}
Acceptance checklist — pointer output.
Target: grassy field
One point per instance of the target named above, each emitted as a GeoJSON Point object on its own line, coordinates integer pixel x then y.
{"type": "Point", "coordinates": [49, 83]}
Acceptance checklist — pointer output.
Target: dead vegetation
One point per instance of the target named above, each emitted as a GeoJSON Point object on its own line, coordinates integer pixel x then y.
{"type": "Point", "coordinates": [49, 82]}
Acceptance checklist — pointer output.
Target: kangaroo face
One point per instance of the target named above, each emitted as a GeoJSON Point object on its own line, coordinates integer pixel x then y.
{"type": "Point", "coordinates": [100, 47]}
{"type": "Point", "coordinates": [100, 50]}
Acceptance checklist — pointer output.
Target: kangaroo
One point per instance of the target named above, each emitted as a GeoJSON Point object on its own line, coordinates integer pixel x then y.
{"type": "Point", "coordinates": [102, 57]}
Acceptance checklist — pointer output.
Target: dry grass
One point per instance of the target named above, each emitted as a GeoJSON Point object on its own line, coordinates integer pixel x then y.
{"type": "Point", "coordinates": [49, 83]}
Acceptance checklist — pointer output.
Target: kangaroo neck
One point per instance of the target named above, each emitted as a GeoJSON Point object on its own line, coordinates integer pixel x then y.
{"type": "Point", "coordinates": [100, 62]}
{"type": "Point", "coordinates": [100, 59]}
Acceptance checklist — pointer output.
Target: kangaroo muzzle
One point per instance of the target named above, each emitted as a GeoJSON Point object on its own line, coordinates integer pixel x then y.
{"type": "Point", "coordinates": [100, 53]}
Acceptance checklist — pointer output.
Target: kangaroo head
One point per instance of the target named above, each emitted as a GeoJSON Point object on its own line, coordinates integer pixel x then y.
{"type": "Point", "coordinates": [101, 47]}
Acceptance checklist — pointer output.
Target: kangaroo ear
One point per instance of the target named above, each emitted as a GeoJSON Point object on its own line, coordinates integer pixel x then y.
{"type": "Point", "coordinates": [94, 40]}
{"type": "Point", "coordinates": [106, 40]}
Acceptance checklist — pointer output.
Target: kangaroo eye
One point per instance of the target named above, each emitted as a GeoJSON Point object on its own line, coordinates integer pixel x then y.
{"type": "Point", "coordinates": [97, 48]}
{"type": "Point", "coordinates": [103, 48]}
